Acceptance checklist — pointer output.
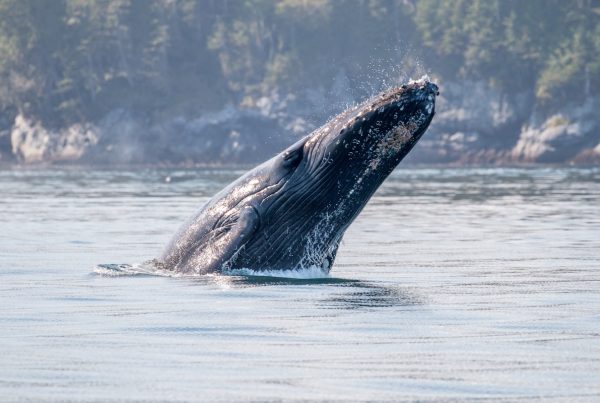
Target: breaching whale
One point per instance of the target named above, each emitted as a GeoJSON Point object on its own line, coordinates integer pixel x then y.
{"type": "Point", "coordinates": [291, 212]}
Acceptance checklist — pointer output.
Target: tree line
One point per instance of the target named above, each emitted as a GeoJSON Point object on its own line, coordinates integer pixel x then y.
{"type": "Point", "coordinates": [66, 61]}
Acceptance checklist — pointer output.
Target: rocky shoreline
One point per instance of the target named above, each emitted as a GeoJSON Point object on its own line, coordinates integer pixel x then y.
{"type": "Point", "coordinates": [475, 124]}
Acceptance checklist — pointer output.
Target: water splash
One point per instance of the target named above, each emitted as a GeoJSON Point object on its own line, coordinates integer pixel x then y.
{"type": "Point", "coordinates": [150, 268]}
{"type": "Point", "coordinates": [422, 80]}
{"type": "Point", "coordinates": [311, 272]}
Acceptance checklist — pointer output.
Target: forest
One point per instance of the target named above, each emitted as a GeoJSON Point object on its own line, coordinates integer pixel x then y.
{"type": "Point", "coordinates": [69, 62]}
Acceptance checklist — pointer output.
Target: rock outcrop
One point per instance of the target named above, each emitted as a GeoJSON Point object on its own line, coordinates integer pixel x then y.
{"type": "Point", "coordinates": [569, 135]}
{"type": "Point", "coordinates": [31, 142]}
{"type": "Point", "coordinates": [228, 136]}
{"type": "Point", "coordinates": [474, 124]}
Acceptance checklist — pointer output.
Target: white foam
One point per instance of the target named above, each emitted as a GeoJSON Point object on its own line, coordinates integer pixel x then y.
{"type": "Point", "coordinates": [137, 269]}
{"type": "Point", "coordinates": [109, 272]}
{"type": "Point", "coordinates": [303, 273]}
{"type": "Point", "coordinates": [145, 269]}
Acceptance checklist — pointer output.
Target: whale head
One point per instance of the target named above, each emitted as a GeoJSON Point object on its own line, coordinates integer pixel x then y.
{"type": "Point", "coordinates": [373, 137]}
{"type": "Point", "coordinates": [330, 175]}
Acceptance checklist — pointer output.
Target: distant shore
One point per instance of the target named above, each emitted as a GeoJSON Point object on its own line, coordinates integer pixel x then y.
{"type": "Point", "coordinates": [475, 124]}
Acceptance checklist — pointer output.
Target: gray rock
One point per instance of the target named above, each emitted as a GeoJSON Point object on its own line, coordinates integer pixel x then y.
{"type": "Point", "coordinates": [31, 142]}
{"type": "Point", "coordinates": [230, 135]}
{"type": "Point", "coordinates": [472, 118]}
{"type": "Point", "coordinates": [562, 136]}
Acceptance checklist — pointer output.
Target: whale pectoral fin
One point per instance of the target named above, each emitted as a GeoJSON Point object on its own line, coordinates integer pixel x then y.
{"type": "Point", "coordinates": [230, 239]}
{"type": "Point", "coordinates": [291, 157]}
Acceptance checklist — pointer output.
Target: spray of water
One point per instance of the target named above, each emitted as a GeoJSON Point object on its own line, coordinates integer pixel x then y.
{"type": "Point", "coordinates": [151, 269]}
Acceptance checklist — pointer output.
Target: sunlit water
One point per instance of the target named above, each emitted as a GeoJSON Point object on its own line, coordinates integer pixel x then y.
{"type": "Point", "coordinates": [452, 284]}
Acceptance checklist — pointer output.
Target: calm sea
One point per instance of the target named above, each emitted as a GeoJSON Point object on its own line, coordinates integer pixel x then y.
{"type": "Point", "coordinates": [452, 284]}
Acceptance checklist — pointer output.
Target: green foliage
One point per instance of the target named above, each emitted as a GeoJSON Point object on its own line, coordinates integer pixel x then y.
{"type": "Point", "coordinates": [75, 60]}
{"type": "Point", "coordinates": [574, 65]}
{"type": "Point", "coordinates": [513, 43]}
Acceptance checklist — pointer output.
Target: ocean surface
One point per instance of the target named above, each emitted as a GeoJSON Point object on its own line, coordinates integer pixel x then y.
{"type": "Point", "coordinates": [452, 284]}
